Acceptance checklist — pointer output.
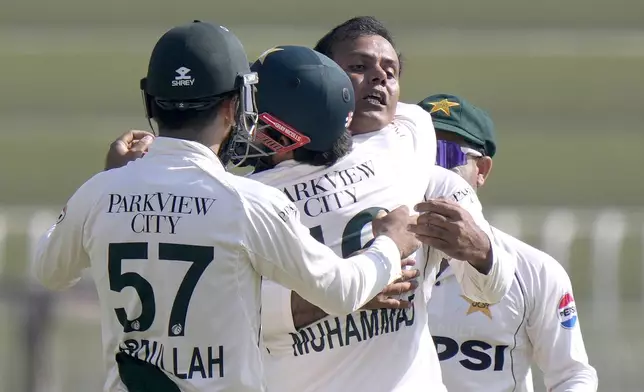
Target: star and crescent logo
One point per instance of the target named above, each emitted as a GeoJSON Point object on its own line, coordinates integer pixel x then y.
{"type": "Point", "coordinates": [443, 106]}
{"type": "Point", "coordinates": [478, 307]}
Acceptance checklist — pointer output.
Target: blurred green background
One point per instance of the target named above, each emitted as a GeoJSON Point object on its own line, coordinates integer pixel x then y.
{"type": "Point", "coordinates": [564, 82]}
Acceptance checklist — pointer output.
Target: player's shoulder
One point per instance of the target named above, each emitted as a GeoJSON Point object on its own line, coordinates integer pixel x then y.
{"type": "Point", "coordinates": [285, 173]}
{"type": "Point", "coordinates": [272, 177]}
{"type": "Point", "coordinates": [413, 113]}
{"type": "Point", "coordinates": [533, 262]}
{"type": "Point", "coordinates": [417, 121]}
{"type": "Point", "coordinates": [414, 121]}
{"type": "Point", "coordinates": [259, 199]}
{"type": "Point", "coordinates": [447, 184]}
{"type": "Point", "coordinates": [95, 186]}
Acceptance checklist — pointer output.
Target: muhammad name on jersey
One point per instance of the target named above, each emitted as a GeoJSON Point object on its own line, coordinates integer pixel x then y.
{"type": "Point", "coordinates": [194, 362]}
{"type": "Point", "coordinates": [331, 191]}
{"type": "Point", "coordinates": [330, 333]}
{"type": "Point", "coordinates": [158, 212]}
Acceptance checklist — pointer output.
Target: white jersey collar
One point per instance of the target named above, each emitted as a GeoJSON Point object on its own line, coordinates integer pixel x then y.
{"type": "Point", "coordinates": [184, 149]}
{"type": "Point", "coordinates": [286, 164]}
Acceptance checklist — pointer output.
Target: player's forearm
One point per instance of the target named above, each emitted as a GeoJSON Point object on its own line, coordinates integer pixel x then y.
{"type": "Point", "coordinates": [335, 285]}
{"type": "Point", "coordinates": [491, 287]}
{"type": "Point", "coordinates": [304, 312]}
{"type": "Point", "coordinates": [482, 258]}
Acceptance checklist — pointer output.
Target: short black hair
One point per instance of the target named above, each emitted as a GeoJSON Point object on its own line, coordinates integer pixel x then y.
{"type": "Point", "coordinates": [197, 120]}
{"type": "Point", "coordinates": [356, 27]}
{"type": "Point", "coordinates": [340, 148]}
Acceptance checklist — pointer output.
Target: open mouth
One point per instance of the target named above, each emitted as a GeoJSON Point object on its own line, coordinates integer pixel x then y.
{"type": "Point", "coordinates": [375, 98]}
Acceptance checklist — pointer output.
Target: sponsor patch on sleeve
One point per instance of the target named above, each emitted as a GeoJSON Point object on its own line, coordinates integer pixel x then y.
{"type": "Point", "coordinates": [567, 311]}
{"type": "Point", "coordinates": [461, 194]}
{"type": "Point", "coordinates": [287, 212]}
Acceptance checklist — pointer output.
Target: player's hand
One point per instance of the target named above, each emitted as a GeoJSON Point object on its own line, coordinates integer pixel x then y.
{"type": "Point", "coordinates": [391, 296]}
{"type": "Point", "coordinates": [445, 225]}
{"type": "Point", "coordinates": [128, 147]}
{"type": "Point", "coordinates": [394, 225]}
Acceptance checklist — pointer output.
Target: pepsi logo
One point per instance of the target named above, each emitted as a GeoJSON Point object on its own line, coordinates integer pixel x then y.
{"type": "Point", "coordinates": [567, 312]}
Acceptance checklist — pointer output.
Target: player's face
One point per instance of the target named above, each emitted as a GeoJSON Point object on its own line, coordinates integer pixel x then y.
{"type": "Point", "coordinates": [475, 169]}
{"type": "Point", "coordinates": [373, 66]}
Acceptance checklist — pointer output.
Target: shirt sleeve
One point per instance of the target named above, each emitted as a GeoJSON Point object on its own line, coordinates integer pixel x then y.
{"type": "Point", "coordinates": [60, 256]}
{"type": "Point", "coordinates": [491, 287]}
{"type": "Point", "coordinates": [554, 331]}
{"type": "Point", "coordinates": [281, 249]}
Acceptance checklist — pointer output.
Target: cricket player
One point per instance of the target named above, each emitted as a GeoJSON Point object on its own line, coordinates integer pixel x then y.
{"type": "Point", "coordinates": [490, 347]}
{"type": "Point", "coordinates": [389, 165]}
{"type": "Point", "coordinates": [177, 246]}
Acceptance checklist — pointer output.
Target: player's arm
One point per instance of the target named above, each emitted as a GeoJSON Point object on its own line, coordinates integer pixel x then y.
{"type": "Point", "coordinates": [491, 277]}
{"type": "Point", "coordinates": [285, 311]}
{"type": "Point", "coordinates": [60, 257]}
{"type": "Point", "coordinates": [483, 264]}
{"type": "Point", "coordinates": [554, 331]}
{"type": "Point", "coordinates": [303, 313]}
{"type": "Point", "coordinates": [281, 248]}
{"type": "Point", "coordinates": [421, 126]}
{"type": "Point", "coordinates": [457, 228]}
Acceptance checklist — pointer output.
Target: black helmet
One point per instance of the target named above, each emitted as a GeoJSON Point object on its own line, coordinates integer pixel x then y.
{"type": "Point", "coordinates": [192, 66]}
{"type": "Point", "coordinates": [303, 95]}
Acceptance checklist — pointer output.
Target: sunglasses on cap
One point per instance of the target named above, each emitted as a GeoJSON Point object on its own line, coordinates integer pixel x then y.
{"type": "Point", "coordinates": [450, 154]}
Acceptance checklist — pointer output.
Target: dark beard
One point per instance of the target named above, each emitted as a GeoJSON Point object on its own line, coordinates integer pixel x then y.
{"type": "Point", "coordinates": [224, 152]}
{"type": "Point", "coordinates": [258, 164]}
{"type": "Point", "coordinates": [262, 164]}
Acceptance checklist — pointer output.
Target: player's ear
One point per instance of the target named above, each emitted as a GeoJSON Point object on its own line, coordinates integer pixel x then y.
{"type": "Point", "coordinates": [228, 109]}
{"type": "Point", "coordinates": [484, 165]}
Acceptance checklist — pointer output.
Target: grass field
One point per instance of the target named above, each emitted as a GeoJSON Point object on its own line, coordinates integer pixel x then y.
{"type": "Point", "coordinates": [461, 14]}
{"type": "Point", "coordinates": [562, 80]}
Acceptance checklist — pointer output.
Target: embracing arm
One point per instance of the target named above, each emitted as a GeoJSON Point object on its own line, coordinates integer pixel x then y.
{"type": "Point", "coordinates": [300, 263]}
{"type": "Point", "coordinates": [452, 221]}
{"type": "Point", "coordinates": [303, 312]}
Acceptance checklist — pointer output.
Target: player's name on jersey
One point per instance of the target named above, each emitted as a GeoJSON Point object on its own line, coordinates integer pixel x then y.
{"type": "Point", "coordinates": [158, 212]}
{"type": "Point", "coordinates": [331, 191]}
{"type": "Point", "coordinates": [185, 363]}
{"type": "Point", "coordinates": [330, 333]}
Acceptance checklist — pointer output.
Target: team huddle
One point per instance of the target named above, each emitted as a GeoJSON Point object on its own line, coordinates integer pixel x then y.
{"type": "Point", "coordinates": [355, 256]}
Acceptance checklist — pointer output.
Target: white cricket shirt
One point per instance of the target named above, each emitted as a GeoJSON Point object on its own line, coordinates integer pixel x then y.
{"type": "Point", "coordinates": [370, 350]}
{"type": "Point", "coordinates": [176, 246]}
{"type": "Point", "coordinates": [490, 347]}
